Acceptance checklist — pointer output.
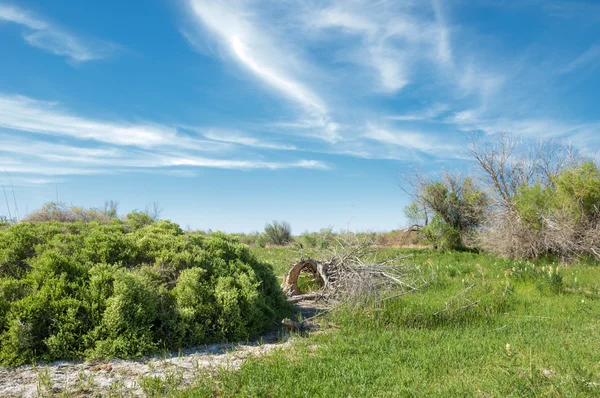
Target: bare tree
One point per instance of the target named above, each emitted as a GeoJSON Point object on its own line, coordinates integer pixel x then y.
{"type": "Point", "coordinates": [507, 164]}
{"type": "Point", "coordinates": [501, 167]}
{"type": "Point", "coordinates": [554, 156]}
{"type": "Point", "coordinates": [154, 210]}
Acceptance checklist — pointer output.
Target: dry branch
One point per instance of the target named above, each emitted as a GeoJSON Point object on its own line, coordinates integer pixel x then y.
{"type": "Point", "coordinates": [353, 273]}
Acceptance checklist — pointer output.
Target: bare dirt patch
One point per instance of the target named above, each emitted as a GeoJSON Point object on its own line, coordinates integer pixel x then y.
{"type": "Point", "coordinates": [126, 377]}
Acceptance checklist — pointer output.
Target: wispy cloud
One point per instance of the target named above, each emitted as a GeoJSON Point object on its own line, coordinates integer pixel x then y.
{"type": "Point", "coordinates": [391, 38]}
{"type": "Point", "coordinates": [411, 140]}
{"type": "Point", "coordinates": [50, 37]}
{"type": "Point", "coordinates": [43, 117]}
{"type": "Point", "coordinates": [96, 146]}
{"type": "Point", "coordinates": [430, 113]}
{"type": "Point", "coordinates": [240, 139]}
{"type": "Point", "coordinates": [356, 69]}
{"type": "Point", "coordinates": [29, 158]}
{"type": "Point", "coordinates": [242, 164]}
{"type": "Point", "coordinates": [41, 181]}
{"type": "Point", "coordinates": [243, 39]}
{"type": "Point", "coordinates": [590, 56]}
{"type": "Point", "coordinates": [380, 48]}
{"type": "Point", "coordinates": [353, 76]}
{"type": "Point", "coordinates": [526, 127]}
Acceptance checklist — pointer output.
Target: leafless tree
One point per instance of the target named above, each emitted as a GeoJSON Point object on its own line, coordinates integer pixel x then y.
{"type": "Point", "coordinates": [154, 210]}
{"type": "Point", "coordinates": [508, 164]}
{"type": "Point", "coordinates": [552, 157]}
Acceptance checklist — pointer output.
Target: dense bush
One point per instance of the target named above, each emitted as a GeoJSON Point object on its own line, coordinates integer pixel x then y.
{"type": "Point", "coordinates": [278, 233]}
{"type": "Point", "coordinates": [458, 206]}
{"type": "Point", "coordinates": [60, 212]}
{"type": "Point", "coordinates": [126, 288]}
{"type": "Point", "coordinates": [441, 235]}
{"type": "Point", "coordinates": [321, 240]}
{"type": "Point", "coordinates": [561, 217]}
{"type": "Point", "coordinates": [252, 239]}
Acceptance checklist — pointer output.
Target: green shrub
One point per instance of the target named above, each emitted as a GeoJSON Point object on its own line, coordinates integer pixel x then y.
{"type": "Point", "coordinates": [578, 188]}
{"type": "Point", "coordinates": [60, 212]}
{"type": "Point", "coordinates": [138, 219]}
{"type": "Point", "coordinates": [260, 241]}
{"type": "Point", "coordinates": [126, 288]}
{"type": "Point", "coordinates": [320, 240]}
{"type": "Point", "coordinates": [574, 194]}
{"type": "Point", "coordinates": [278, 233]}
{"type": "Point", "coordinates": [441, 234]}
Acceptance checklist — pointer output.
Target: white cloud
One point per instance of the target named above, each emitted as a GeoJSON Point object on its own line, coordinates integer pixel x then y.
{"type": "Point", "coordinates": [366, 48]}
{"type": "Point", "coordinates": [528, 127]}
{"type": "Point", "coordinates": [430, 113]}
{"type": "Point", "coordinates": [19, 16]}
{"type": "Point", "coordinates": [244, 40]}
{"type": "Point", "coordinates": [38, 158]}
{"type": "Point", "coordinates": [52, 38]}
{"type": "Point", "coordinates": [588, 57]}
{"type": "Point", "coordinates": [282, 83]}
{"type": "Point", "coordinates": [27, 114]}
{"type": "Point", "coordinates": [411, 140]}
{"type": "Point", "coordinates": [444, 46]}
{"type": "Point", "coordinates": [393, 37]}
{"type": "Point", "coordinates": [97, 146]}
{"type": "Point", "coordinates": [41, 181]}
{"type": "Point", "coordinates": [241, 164]}
{"type": "Point", "coordinates": [240, 139]}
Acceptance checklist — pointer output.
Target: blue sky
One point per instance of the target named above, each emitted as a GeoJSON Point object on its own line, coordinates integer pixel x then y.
{"type": "Point", "coordinates": [234, 113]}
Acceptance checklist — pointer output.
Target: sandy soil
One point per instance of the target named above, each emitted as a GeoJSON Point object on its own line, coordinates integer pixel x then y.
{"type": "Point", "coordinates": [120, 377]}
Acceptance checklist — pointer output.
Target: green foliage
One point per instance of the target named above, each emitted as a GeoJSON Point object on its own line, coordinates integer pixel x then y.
{"type": "Point", "coordinates": [260, 241]}
{"type": "Point", "coordinates": [575, 194]}
{"type": "Point", "coordinates": [125, 289]}
{"type": "Point", "coordinates": [546, 204]}
{"type": "Point", "coordinates": [138, 219]}
{"type": "Point", "coordinates": [248, 239]}
{"type": "Point", "coordinates": [111, 208]}
{"type": "Point", "coordinates": [441, 234]}
{"type": "Point", "coordinates": [278, 233]}
{"type": "Point", "coordinates": [580, 186]}
{"type": "Point", "coordinates": [533, 203]}
{"type": "Point", "coordinates": [320, 240]}
{"type": "Point", "coordinates": [458, 202]}
{"type": "Point", "coordinates": [6, 222]}
{"type": "Point", "coordinates": [414, 214]}
{"type": "Point", "coordinates": [569, 203]}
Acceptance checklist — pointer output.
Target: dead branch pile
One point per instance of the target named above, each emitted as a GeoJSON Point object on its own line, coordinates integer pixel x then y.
{"type": "Point", "coordinates": [355, 273]}
{"type": "Point", "coordinates": [507, 234]}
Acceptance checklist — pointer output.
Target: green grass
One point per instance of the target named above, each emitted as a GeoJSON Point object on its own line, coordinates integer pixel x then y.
{"type": "Point", "coordinates": [282, 257]}
{"type": "Point", "coordinates": [533, 333]}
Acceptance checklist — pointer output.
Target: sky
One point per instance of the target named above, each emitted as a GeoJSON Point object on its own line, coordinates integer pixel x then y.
{"type": "Point", "coordinates": [230, 114]}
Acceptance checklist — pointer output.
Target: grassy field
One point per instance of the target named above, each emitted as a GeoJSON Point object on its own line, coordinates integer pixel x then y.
{"type": "Point", "coordinates": [534, 331]}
